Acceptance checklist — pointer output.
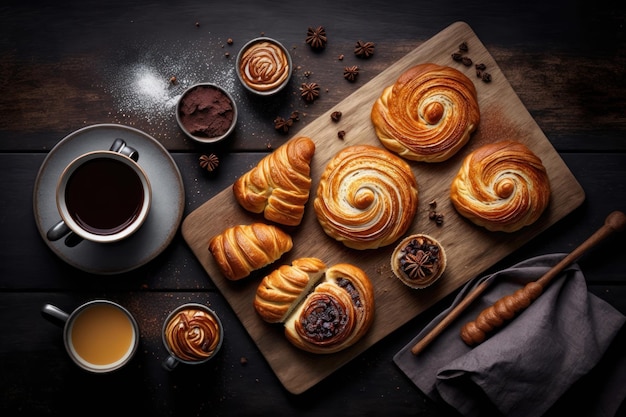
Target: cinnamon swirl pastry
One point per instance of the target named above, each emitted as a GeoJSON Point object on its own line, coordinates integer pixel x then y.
{"type": "Point", "coordinates": [336, 314]}
{"type": "Point", "coordinates": [428, 114]}
{"type": "Point", "coordinates": [501, 186]}
{"type": "Point", "coordinates": [264, 65]}
{"type": "Point", "coordinates": [366, 197]}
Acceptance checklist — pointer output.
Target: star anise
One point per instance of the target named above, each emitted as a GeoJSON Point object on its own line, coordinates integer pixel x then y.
{"type": "Point", "coordinates": [310, 91]}
{"type": "Point", "coordinates": [364, 49]}
{"type": "Point", "coordinates": [350, 73]}
{"type": "Point", "coordinates": [418, 265]}
{"type": "Point", "coordinates": [282, 125]}
{"type": "Point", "coordinates": [209, 162]}
{"type": "Point", "coordinates": [316, 37]}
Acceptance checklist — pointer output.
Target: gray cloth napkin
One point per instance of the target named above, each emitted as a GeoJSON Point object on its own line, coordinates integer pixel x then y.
{"type": "Point", "coordinates": [525, 366]}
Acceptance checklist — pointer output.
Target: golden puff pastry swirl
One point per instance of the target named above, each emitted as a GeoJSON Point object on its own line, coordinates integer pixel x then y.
{"type": "Point", "coordinates": [193, 334]}
{"type": "Point", "coordinates": [336, 314]}
{"type": "Point", "coordinates": [264, 66]}
{"type": "Point", "coordinates": [428, 114]}
{"type": "Point", "coordinates": [279, 185]}
{"type": "Point", "coordinates": [501, 186]}
{"type": "Point", "coordinates": [241, 249]}
{"type": "Point", "coordinates": [280, 291]}
{"type": "Point", "coordinates": [366, 197]}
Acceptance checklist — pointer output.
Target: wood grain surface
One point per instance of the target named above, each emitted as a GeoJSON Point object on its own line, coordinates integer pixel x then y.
{"type": "Point", "coordinates": [470, 249]}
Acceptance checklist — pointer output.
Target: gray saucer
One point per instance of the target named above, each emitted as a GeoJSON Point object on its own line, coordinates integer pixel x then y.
{"type": "Point", "coordinates": [168, 200]}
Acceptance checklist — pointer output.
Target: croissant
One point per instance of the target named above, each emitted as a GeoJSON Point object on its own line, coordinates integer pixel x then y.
{"type": "Point", "coordinates": [241, 249]}
{"type": "Point", "coordinates": [366, 197]}
{"type": "Point", "coordinates": [279, 291]}
{"type": "Point", "coordinates": [501, 186]}
{"type": "Point", "coordinates": [279, 185]}
{"type": "Point", "coordinates": [428, 114]}
{"type": "Point", "coordinates": [336, 314]}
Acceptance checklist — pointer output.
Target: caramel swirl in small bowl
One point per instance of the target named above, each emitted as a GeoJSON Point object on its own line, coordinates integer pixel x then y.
{"type": "Point", "coordinates": [264, 66]}
{"type": "Point", "coordinates": [193, 334]}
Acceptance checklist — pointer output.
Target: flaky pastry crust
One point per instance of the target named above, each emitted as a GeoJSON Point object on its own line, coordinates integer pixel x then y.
{"type": "Point", "coordinates": [336, 314]}
{"type": "Point", "coordinates": [366, 198]}
{"type": "Point", "coordinates": [280, 291]}
{"type": "Point", "coordinates": [428, 114]}
{"type": "Point", "coordinates": [241, 249]}
{"type": "Point", "coordinates": [501, 186]}
{"type": "Point", "coordinates": [278, 186]}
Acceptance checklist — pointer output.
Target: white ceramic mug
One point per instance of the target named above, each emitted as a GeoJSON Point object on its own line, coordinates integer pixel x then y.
{"type": "Point", "coordinates": [102, 196]}
{"type": "Point", "coordinates": [100, 336]}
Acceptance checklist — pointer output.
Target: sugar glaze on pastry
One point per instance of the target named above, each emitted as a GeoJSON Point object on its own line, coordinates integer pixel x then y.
{"type": "Point", "coordinates": [428, 114]}
{"type": "Point", "coordinates": [502, 186]}
{"type": "Point", "coordinates": [366, 198]}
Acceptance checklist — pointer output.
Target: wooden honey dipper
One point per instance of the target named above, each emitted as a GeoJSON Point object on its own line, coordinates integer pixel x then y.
{"type": "Point", "coordinates": [476, 332]}
{"type": "Point", "coordinates": [503, 310]}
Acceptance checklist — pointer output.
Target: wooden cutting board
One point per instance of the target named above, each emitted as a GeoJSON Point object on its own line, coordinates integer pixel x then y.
{"type": "Point", "coordinates": [470, 249]}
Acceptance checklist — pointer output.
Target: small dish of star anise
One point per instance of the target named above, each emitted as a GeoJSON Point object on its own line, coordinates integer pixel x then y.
{"type": "Point", "coordinates": [418, 261]}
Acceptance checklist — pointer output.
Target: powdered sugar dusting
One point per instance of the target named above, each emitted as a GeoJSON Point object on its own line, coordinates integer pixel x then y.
{"type": "Point", "coordinates": [149, 86]}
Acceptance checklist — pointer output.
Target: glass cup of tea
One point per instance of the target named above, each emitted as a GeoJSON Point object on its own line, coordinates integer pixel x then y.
{"type": "Point", "coordinates": [100, 336]}
{"type": "Point", "coordinates": [192, 334]}
{"type": "Point", "coordinates": [102, 196]}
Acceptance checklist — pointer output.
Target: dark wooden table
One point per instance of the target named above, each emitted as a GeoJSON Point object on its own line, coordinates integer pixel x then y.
{"type": "Point", "coordinates": [67, 65]}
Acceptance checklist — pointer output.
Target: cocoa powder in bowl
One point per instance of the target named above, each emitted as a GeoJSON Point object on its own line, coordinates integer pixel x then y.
{"type": "Point", "coordinates": [206, 113]}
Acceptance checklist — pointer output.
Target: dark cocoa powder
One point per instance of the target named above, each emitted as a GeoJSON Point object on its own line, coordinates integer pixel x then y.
{"type": "Point", "coordinates": [206, 111]}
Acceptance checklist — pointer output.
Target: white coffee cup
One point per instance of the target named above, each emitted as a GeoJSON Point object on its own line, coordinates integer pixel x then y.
{"type": "Point", "coordinates": [100, 336]}
{"type": "Point", "coordinates": [102, 196]}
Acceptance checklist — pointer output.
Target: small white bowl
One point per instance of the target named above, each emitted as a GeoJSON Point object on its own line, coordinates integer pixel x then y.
{"type": "Point", "coordinates": [198, 119]}
{"type": "Point", "coordinates": [272, 66]}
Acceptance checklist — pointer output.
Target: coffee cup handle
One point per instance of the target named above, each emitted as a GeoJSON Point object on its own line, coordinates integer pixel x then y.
{"type": "Point", "coordinates": [170, 363]}
{"type": "Point", "coordinates": [120, 146]}
{"type": "Point", "coordinates": [55, 313]}
{"type": "Point", "coordinates": [60, 229]}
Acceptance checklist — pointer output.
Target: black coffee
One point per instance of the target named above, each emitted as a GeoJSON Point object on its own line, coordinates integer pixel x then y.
{"type": "Point", "coordinates": [104, 196]}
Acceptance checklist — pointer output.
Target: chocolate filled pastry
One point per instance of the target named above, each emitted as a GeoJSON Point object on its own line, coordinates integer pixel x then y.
{"type": "Point", "coordinates": [241, 249]}
{"type": "Point", "coordinates": [501, 186]}
{"type": "Point", "coordinates": [333, 316]}
{"type": "Point", "coordinates": [428, 114]}
{"type": "Point", "coordinates": [366, 197]}
{"type": "Point", "coordinates": [278, 186]}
